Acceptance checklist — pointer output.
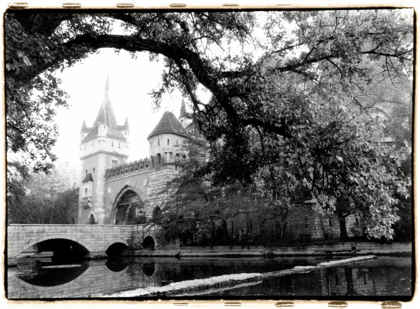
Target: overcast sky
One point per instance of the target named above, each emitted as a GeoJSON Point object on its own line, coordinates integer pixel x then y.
{"type": "Point", "coordinates": [130, 82]}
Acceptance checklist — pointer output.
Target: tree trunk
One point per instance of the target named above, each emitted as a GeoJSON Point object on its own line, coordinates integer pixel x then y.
{"type": "Point", "coordinates": [343, 229]}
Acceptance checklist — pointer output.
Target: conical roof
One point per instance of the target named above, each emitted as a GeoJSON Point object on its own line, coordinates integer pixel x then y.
{"type": "Point", "coordinates": [106, 116]}
{"type": "Point", "coordinates": [84, 127]}
{"type": "Point", "coordinates": [125, 126]}
{"type": "Point", "coordinates": [168, 124]}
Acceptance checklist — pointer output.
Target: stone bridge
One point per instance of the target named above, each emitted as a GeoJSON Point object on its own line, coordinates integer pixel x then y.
{"type": "Point", "coordinates": [88, 241]}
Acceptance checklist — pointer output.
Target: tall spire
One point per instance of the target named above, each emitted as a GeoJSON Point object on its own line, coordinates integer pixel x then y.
{"type": "Point", "coordinates": [107, 85]}
{"type": "Point", "coordinates": [106, 112]}
{"type": "Point", "coordinates": [106, 116]}
{"type": "Point", "coordinates": [183, 112]}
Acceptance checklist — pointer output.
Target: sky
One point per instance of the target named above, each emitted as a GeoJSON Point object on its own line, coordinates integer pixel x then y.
{"type": "Point", "coordinates": [130, 82]}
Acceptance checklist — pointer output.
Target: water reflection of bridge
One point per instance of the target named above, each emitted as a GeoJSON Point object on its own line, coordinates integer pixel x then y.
{"type": "Point", "coordinates": [384, 276]}
{"type": "Point", "coordinates": [95, 277]}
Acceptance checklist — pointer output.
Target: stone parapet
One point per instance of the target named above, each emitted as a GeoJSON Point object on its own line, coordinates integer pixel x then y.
{"type": "Point", "coordinates": [127, 169]}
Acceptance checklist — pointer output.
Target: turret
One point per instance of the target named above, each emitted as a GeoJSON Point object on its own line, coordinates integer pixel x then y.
{"type": "Point", "coordinates": [84, 131]}
{"type": "Point", "coordinates": [167, 141]}
{"type": "Point", "coordinates": [125, 129]}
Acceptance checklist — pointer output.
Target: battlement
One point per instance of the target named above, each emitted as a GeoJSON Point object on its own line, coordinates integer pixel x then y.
{"type": "Point", "coordinates": [128, 168]}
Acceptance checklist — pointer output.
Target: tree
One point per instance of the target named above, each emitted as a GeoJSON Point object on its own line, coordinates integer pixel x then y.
{"type": "Point", "coordinates": [286, 108]}
{"type": "Point", "coordinates": [44, 199]}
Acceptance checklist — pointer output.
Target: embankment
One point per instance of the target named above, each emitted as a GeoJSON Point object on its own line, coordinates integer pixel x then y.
{"type": "Point", "coordinates": [363, 248]}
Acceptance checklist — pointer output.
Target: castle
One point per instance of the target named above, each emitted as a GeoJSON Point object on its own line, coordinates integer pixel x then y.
{"type": "Point", "coordinates": [114, 191]}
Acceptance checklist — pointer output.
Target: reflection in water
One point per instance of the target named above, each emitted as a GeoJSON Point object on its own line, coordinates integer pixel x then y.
{"type": "Point", "coordinates": [149, 269]}
{"type": "Point", "coordinates": [48, 274]}
{"type": "Point", "coordinates": [386, 276]}
{"type": "Point", "coordinates": [117, 264]}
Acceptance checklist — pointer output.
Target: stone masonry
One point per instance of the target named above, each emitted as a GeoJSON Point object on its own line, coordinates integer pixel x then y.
{"type": "Point", "coordinates": [95, 238]}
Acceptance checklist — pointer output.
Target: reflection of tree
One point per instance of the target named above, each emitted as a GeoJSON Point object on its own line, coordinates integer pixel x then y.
{"type": "Point", "coordinates": [348, 274]}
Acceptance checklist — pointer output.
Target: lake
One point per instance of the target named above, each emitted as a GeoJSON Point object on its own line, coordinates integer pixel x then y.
{"type": "Point", "coordinates": [387, 276]}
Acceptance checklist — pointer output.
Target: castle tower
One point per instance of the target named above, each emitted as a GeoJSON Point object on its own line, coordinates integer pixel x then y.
{"type": "Point", "coordinates": [167, 141]}
{"type": "Point", "coordinates": [102, 146]}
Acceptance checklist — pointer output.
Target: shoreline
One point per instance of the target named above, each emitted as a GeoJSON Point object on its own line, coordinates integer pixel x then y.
{"type": "Point", "coordinates": [340, 249]}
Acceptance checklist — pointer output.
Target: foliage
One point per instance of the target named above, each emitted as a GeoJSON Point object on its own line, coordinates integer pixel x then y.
{"type": "Point", "coordinates": [291, 109]}
{"type": "Point", "coordinates": [43, 199]}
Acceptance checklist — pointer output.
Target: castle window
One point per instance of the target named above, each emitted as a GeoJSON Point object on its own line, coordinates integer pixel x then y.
{"type": "Point", "coordinates": [330, 223]}
{"type": "Point", "coordinates": [176, 142]}
{"type": "Point", "coordinates": [158, 158]}
{"type": "Point", "coordinates": [168, 141]}
{"type": "Point", "coordinates": [114, 163]}
{"type": "Point", "coordinates": [170, 156]}
{"type": "Point", "coordinates": [158, 142]}
{"type": "Point", "coordinates": [92, 219]}
{"type": "Point", "coordinates": [86, 191]}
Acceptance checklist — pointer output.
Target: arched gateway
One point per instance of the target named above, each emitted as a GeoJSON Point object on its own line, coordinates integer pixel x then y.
{"type": "Point", "coordinates": [129, 209]}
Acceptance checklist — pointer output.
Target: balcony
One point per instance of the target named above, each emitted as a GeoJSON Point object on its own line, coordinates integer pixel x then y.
{"type": "Point", "coordinates": [86, 202]}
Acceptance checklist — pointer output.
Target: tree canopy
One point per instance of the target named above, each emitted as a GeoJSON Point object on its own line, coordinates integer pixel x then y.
{"type": "Point", "coordinates": [296, 95]}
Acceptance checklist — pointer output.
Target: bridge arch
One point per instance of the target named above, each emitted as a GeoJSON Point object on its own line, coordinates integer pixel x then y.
{"type": "Point", "coordinates": [117, 249]}
{"type": "Point", "coordinates": [61, 245]}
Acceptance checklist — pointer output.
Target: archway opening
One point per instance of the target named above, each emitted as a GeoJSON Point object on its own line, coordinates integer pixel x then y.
{"type": "Point", "coordinates": [56, 251]}
{"type": "Point", "coordinates": [130, 209]}
{"type": "Point", "coordinates": [92, 219]}
{"type": "Point", "coordinates": [117, 249]}
{"type": "Point", "coordinates": [149, 243]}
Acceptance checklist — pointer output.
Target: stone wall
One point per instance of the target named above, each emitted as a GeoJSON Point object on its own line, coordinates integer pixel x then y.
{"type": "Point", "coordinates": [158, 191]}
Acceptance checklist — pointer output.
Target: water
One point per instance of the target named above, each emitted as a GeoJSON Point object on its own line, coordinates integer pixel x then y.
{"type": "Point", "coordinates": [385, 276]}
